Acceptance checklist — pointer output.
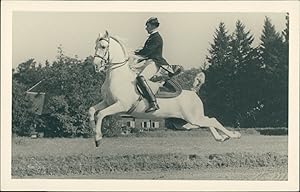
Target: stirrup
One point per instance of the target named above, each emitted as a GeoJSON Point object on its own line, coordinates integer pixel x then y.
{"type": "Point", "coordinates": [154, 107]}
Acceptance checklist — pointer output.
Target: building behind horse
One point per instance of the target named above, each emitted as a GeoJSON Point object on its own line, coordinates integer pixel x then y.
{"type": "Point", "coordinates": [142, 123]}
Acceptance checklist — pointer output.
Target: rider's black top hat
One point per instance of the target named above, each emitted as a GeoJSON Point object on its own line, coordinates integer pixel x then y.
{"type": "Point", "coordinates": [153, 21]}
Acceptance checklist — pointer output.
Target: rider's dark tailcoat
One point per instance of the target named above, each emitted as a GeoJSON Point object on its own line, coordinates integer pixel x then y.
{"type": "Point", "coordinates": [153, 49]}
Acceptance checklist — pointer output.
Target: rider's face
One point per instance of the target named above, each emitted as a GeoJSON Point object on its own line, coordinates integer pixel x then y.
{"type": "Point", "coordinates": [150, 27]}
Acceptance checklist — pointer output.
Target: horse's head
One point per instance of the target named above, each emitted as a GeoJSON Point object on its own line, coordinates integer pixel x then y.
{"type": "Point", "coordinates": [101, 57]}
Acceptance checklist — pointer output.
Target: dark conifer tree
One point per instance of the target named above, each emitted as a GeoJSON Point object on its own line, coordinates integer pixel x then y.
{"type": "Point", "coordinates": [274, 59]}
{"type": "Point", "coordinates": [229, 92]}
{"type": "Point", "coordinates": [214, 91]}
{"type": "Point", "coordinates": [219, 51]}
{"type": "Point", "coordinates": [242, 90]}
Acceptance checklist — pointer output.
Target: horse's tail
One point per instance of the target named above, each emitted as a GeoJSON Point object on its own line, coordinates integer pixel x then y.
{"type": "Point", "coordinates": [198, 82]}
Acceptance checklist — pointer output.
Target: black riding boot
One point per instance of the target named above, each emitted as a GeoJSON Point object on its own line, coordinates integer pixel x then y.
{"type": "Point", "coordinates": [148, 94]}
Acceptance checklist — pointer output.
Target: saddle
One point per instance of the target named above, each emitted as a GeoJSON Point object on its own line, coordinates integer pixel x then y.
{"type": "Point", "coordinates": [170, 89]}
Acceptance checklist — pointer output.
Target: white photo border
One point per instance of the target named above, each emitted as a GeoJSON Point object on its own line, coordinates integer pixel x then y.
{"type": "Point", "coordinates": [7, 9]}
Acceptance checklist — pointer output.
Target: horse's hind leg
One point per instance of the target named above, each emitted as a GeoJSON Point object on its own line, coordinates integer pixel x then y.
{"type": "Point", "coordinates": [217, 135]}
{"type": "Point", "coordinates": [213, 131]}
{"type": "Point", "coordinates": [215, 123]}
{"type": "Point", "coordinates": [199, 120]}
{"type": "Point", "coordinates": [202, 123]}
{"type": "Point", "coordinates": [195, 122]}
{"type": "Point", "coordinates": [193, 113]}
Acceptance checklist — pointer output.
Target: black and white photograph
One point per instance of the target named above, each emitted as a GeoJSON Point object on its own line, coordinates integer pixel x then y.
{"type": "Point", "coordinates": [167, 95]}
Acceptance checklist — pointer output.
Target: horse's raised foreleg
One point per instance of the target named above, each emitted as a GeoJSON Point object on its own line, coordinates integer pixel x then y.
{"type": "Point", "coordinates": [110, 110]}
{"type": "Point", "coordinates": [92, 111]}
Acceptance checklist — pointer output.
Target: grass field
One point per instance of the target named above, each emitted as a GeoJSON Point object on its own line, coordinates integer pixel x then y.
{"type": "Point", "coordinates": [173, 155]}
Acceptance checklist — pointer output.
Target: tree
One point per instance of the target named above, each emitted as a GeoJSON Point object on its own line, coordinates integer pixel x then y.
{"type": "Point", "coordinates": [28, 73]}
{"type": "Point", "coordinates": [270, 47]}
{"type": "Point", "coordinates": [69, 84]}
{"type": "Point", "coordinates": [229, 92]}
{"type": "Point", "coordinates": [214, 91]}
{"type": "Point", "coordinates": [274, 58]}
{"type": "Point", "coordinates": [285, 32]}
{"type": "Point", "coordinates": [79, 86]}
{"type": "Point", "coordinates": [22, 116]}
{"type": "Point", "coordinates": [244, 66]}
{"type": "Point", "coordinates": [241, 47]}
{"type": "Point", "coordinates": [186, 78]}
{"type": "Point", "coordinates": [219, 51]}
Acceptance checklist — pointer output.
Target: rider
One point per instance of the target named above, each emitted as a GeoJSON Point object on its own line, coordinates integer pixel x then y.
{"type": "Point", "coordinates": [152, 51]}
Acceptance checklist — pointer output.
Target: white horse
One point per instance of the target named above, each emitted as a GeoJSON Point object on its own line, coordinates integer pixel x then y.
{"type": "Point", "coordinates": [120, 94]}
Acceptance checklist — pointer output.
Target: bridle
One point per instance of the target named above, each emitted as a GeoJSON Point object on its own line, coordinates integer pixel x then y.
{"type": "Point", "coordinates": [107, 62]}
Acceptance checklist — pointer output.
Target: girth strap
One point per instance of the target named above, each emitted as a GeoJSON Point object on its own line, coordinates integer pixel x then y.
{"type": "Point", "coordinates": [135, 104]}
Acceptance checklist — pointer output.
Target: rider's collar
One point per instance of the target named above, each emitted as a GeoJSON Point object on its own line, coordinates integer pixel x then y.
{"type": "Point", "coordinates": [155, 31]}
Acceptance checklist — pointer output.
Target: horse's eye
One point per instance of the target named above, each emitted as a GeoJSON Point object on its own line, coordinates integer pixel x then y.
{"type": "Point", "coordinates": [103, 47]}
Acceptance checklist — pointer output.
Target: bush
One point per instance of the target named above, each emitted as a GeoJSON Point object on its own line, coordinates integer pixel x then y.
{"type": "Point", "coordinates": [71, 87]}
{"type": "Point", "coordinates": [23, 118]}
{"type": "Point", "coordinates": [58, 122]}
{"type": "Point", "coordinates": [111, 126]}
{"type": "Point", "coordinates": [273, 131]}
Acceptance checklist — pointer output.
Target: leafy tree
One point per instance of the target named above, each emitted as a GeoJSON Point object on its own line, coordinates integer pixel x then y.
{"type": "Point", "coordinates": [28, 72]}
{"type": "Point", "coordinates": [59, 122]}
{"type": "Point", "coordinates": [112, 126]}
{"type": "Point", "coordinates": [69, 84]}
{"type": "Point", "coordinates": [22, 116]}
{"type": "Point", "coordinates": [80, 86]}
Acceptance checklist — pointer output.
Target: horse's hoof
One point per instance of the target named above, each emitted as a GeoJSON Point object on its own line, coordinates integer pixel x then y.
{"type": "Point", "coordinates": [98, 143]}
{"type": "Point", "coordinates": [225, 138]}
{"type": "Point", "coordinates": [237, 135]}
{"type": "Point", "coordinates": [220, 139]}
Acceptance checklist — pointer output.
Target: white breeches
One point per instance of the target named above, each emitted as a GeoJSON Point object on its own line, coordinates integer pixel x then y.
{"type": "Point", "coordinates": [146, 68]}
{"type": "Point", "coordinates": [150, 70]}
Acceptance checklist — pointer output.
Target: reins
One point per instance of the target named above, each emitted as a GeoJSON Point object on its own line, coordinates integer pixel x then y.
{"type": "Point", "coordinates": [110, 65]}
{"type": "Point", "coordinates": [120, 64]}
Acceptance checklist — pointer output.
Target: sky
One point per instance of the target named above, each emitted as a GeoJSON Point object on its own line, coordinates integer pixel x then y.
{"type": "Point", "coordinates": [187, 36]}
